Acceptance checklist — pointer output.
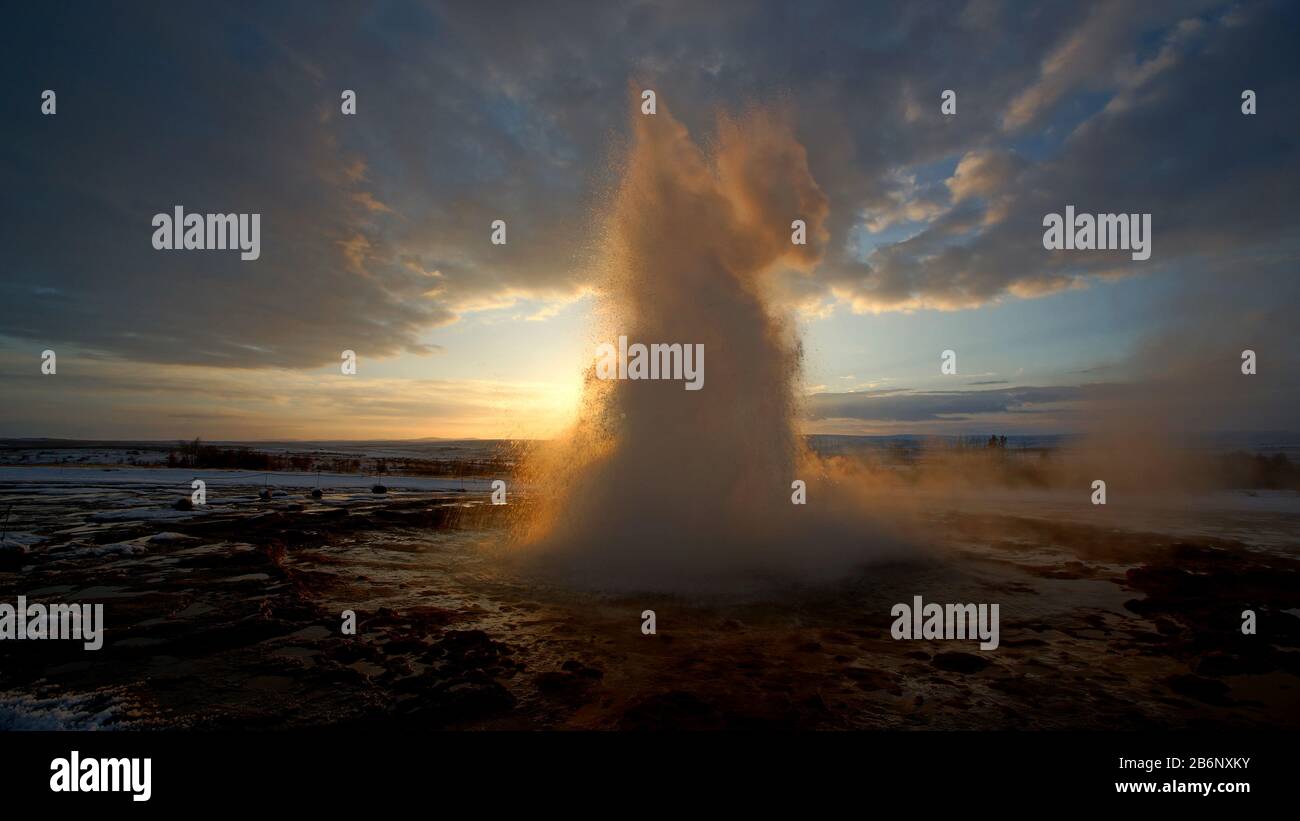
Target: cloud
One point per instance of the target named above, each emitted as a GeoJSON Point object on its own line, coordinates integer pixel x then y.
{"type": "Point", "coordinates": [982, 173]}
{"type": "Point", "coordinates": [1217, 187]}
{"type": "Point", "coordinates": [376, 226]}
{"type": "Point", "coordinates": [1099, 53]}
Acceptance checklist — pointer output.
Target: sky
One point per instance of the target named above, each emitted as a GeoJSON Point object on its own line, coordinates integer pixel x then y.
{"type": "Point", "coordinates": [376, 226]}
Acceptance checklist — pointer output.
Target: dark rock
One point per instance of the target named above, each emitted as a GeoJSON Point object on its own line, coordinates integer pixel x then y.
{"type": "Point", "coordinates": [405, 645]}
{"type": "Point", "coordinates": [562, 684]}
{"type": "Point", "coordinates": [578, 668]}
{"type": "Point", "coordinates": [470, 698]}
{"type": "Point", "coordinates": [348, 650]}
{"type": "Point", "coordinates": [469, 650]}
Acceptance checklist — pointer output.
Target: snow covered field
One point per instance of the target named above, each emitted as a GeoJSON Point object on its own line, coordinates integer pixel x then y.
{"type": "Point", "coordinates": [180, 479]}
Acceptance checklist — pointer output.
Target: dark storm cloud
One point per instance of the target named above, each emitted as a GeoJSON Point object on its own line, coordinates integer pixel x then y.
{"type": "Point", "coordinates": [375, 227]}
{"type": "Point", "coordinates": [1167, 139]}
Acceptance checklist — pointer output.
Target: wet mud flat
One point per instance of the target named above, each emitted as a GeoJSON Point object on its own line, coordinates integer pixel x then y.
{"type": "Point", "coordinates": [232, 617]}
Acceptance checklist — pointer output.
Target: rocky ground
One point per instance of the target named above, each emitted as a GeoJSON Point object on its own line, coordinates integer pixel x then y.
{"type": "Point", "coordinates": [231, 618]}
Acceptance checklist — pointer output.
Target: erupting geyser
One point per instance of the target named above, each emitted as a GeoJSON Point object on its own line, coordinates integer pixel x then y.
{"type": "Point", "coordinates": [660, 488]}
